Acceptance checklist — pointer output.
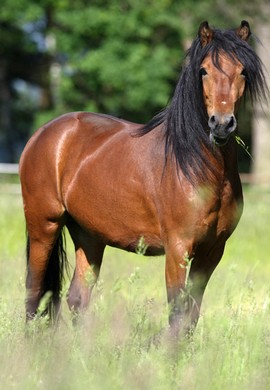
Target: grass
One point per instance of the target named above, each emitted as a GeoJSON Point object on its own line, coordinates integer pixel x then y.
{"type": "Point", "coordinates": [118, 344]}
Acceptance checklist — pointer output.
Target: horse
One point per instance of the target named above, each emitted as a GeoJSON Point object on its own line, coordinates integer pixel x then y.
{"type": "Point", "coordinates": [172, 182]}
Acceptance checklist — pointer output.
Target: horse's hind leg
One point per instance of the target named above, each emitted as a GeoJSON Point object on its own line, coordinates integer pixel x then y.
{"type": "Point", "coordinates": [89, 253]}
{"type": "Point", "coordinates": [42, 239]}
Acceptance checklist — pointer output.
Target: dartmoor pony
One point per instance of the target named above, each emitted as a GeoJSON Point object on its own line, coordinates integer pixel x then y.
{"type": "Point", "coordinates": [173, 181]}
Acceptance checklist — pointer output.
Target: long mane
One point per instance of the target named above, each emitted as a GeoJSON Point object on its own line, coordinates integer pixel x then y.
{"type": "Point", "coordinates": [184, 120]}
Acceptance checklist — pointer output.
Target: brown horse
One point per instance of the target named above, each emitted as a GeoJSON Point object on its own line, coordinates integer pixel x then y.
{"type": "Point", "coordinates": [173, 182]}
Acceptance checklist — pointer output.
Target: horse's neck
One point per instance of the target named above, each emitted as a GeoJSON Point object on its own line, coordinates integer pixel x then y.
{"type": "Point", "coordinates": [229, 180]}
{"type": "Point", "coordinates": [223, 166]}
{"type": "Point", "coordinates": [229, 158]}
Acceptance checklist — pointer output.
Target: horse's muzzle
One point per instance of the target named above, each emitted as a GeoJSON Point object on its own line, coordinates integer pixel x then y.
{"type": "Point", "coordinates": [221, 128]}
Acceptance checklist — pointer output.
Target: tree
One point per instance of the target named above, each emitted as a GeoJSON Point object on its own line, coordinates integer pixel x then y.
{"type": "Point", "coordinates": [23, 68]}
{"type": "Point", "coordinates": [120, 58]}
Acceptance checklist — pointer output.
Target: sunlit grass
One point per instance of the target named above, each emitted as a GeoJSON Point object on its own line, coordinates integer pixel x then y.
{"type": "Point", "coordinates": [122, 341]}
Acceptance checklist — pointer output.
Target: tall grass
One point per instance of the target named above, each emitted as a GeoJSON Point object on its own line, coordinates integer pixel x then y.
{"type": "Point", "coordinates": [122, 342]}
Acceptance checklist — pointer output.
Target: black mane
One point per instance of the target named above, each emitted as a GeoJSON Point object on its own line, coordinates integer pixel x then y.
{"type": "Point", "coordinates": [184, 120]}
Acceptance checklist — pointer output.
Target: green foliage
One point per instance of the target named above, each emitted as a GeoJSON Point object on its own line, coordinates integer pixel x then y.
{"type": "Point", "coordinates": [243, 145]}
{"type": "Point", "coordinates": [117, 53]}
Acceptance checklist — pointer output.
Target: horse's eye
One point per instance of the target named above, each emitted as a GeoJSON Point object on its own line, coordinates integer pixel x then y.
{"type": "Point", "coordinates": [244, 73]}
{"type": "Point", "coordinates": [203, 72]}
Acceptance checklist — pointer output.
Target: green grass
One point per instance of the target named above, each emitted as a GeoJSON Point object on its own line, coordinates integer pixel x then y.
{"type": "Point", "coordinates": [118, 344]}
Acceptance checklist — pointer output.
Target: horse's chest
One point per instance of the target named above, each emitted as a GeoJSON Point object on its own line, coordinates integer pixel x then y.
{"type": "Point", "coordinates": [220, 212]}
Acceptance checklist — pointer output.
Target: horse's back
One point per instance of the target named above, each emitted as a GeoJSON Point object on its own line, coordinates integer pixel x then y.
{"type": "Point", "coordinates": [56, 150]}
{"type": "Point", "coordinates": [82, 126]}
{"type": "Point", "coordinates": [64, 138]}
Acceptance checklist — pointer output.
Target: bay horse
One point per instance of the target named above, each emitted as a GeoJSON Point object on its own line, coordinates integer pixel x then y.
{"type": "Point", "coordinates": [173, 182]}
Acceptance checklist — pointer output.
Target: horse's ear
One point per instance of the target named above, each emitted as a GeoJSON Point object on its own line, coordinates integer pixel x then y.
{"type": "Point", "coordinates": [205, 33]}
{"type": "Point", "coordinates": [244, 30]}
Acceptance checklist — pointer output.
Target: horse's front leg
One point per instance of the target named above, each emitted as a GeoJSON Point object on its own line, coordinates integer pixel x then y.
{"type": "Point", "coordinates": [186, 280]}
{"type": "Point", "coordinates": [180, 300]}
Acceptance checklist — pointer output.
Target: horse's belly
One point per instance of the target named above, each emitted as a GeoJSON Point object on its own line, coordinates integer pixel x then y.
{"type": "Point", "coordinates": [121, 214]}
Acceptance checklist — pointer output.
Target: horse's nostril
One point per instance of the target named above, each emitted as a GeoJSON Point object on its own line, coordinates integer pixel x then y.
{"type": "Point", "coordinates": [231, 122]}
{"type": "Point", "coordinates": [212, 120]}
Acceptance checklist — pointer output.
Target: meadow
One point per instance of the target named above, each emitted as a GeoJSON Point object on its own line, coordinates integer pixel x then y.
{"type": "Point", "coordinates": [122, 340]}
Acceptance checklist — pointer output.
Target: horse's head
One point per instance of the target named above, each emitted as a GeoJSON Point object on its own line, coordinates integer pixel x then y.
{"type": "Point", "coordinates": [220, 68]}
{"type": "Point", "coordinates": [223, 81]}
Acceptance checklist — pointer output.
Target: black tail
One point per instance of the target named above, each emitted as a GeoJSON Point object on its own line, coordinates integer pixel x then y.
{"type": "Point", "coordinates": [54, 275]}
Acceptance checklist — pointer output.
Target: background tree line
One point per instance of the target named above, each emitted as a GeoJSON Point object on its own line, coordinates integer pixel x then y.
{"type": "Point", "coordinates": [113, 56]}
